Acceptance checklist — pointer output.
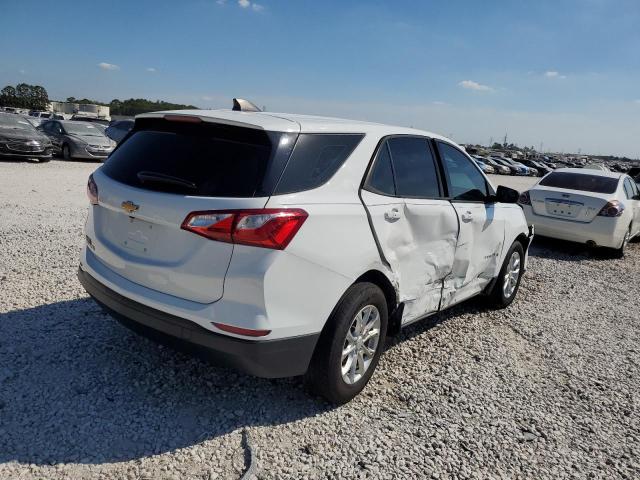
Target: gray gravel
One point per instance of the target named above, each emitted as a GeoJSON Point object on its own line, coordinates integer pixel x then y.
{"type": "Point", "coordinates": [548, 388]}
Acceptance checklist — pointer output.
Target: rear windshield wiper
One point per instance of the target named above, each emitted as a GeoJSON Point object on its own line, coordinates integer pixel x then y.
{"type": "Point", "coordinates": [155, 177]}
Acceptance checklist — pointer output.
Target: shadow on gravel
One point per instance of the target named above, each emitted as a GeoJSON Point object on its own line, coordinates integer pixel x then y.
{"type": "Point", "coordinates": [75, 386]}
{"type": "Point", "coordinates": [544, 247]}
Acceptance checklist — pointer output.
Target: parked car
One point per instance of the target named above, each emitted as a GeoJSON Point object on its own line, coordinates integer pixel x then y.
{"type": "Point", "coordinates": [84, 118]}
{"type": "Point", "coordinates": [594, 207]}
{"type": "Point", "coordinates": [634, 172]}
{"type": "Point", "coordinates": [118, 129]}
{"type": "Point", "coordinates": [501, 169]}
{"type": "Point", "coordinates": [45, 115]}
{"type": "Point", "coordinates": [514, 169]}
{"type": "Point", "coordinates": [77, 139]}
{"type": "Point", "coordinates": [486, 168]}
{"type": "Point", "coordinates": [276, 245]}
{"type": "Point", "coordinates": [18, 138]}
{"type": "Point", "coordinates": [541, 169]}
{"type": "Point", "coordinates": [532, 172]}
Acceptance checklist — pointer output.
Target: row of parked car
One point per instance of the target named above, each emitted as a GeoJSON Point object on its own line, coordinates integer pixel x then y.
{"type": "Point", "coordinates": [509, 166]}
{"type": "Point", "coordinates": [39, 137]}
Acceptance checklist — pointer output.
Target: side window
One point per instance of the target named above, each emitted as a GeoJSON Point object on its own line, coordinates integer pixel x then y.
{"type": "Point", "coordinates": [381, 177]}
{"type": "Point", "coordinates": [315, 159]}
{"type": "Point", "coordinates": [628, 188]}
{"type": "Point", "coordinates": [463, 178]}
{"type": "Point", "coordinates": [414, 167]}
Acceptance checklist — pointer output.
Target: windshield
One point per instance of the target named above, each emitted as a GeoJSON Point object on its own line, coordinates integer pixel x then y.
{"type": "Point", "coordinates": [580, 181]}
{"type": "Point", "coordinates": [13, 122]}
{"type": "Point", "coordinates": [83, 129]}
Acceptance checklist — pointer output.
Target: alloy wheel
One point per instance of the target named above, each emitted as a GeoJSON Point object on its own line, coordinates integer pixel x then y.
{"type": "Point", "coordinates": [512, 275]}
{"type": "Point", "coordinates": [360, 344]}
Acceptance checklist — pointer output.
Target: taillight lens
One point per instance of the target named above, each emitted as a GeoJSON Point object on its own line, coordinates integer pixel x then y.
{"type": "Point", "coordinates": [267, 228]}
{"type": "Point", "coordinates": [612, 209]}
{"type": "Point", "coordinates": [525, 198]}
{"type": "Point", "coordinates": [92, 191]}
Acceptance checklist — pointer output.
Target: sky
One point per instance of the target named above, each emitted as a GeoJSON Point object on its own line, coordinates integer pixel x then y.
{"type": "Point", "coordinates": [561, 74]}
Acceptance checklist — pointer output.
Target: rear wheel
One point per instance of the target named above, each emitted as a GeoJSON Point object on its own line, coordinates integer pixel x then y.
{"type": "Point", "coordinates": [44, 160]}
{"type": "Point", "coordinates": [508, 282]}
{"type": "Point", "coordinates": [350, 346]}
{"type": "Point", "coordinates": [619, 252]}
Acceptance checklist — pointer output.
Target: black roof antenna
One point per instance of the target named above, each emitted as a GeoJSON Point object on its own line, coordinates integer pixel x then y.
{"type": "Point", "coordinates": [242, 105]}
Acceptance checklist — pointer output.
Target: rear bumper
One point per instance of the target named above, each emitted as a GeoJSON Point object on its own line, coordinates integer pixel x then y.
{"type": "Point", "coordinates": [603, 231]}
{"type": "Point", "coordinates": [286, 357]}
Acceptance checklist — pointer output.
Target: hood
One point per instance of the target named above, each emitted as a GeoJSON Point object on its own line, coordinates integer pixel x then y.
{"type": "Point", "coordinates": [100, 140]}
{"type": "Point", "coordinates": [14, 134]}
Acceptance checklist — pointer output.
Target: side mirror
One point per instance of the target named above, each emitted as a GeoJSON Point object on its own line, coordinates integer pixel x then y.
{"type": "Point", "coordinates": [506, 195]}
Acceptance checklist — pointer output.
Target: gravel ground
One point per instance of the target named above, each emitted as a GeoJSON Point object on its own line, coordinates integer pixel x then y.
{"type": "Point", "coordinates": [548, 388]}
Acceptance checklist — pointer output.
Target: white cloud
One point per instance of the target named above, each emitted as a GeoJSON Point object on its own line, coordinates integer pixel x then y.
{"type": "Point", "coordinates": [257, 7]}
{"type": "Point", "coordinates": [244, 3]}
{"type": "Point", "coordinates": [22, 72]}
{"type": "Point", "coordinates": [637, 102]}
{"type": "Point", "coordinates": [478, 87]}
{"type": "Point", "coordinates": [438, 102]}
{"type": "Point", "coordinates": [151, 69]}
{"type": "Point", "coordinates": [221, 2]}
{"type": "Point", "coordinates": [108, 66]}
{"type": "Point", "coordinates": [553, 74]}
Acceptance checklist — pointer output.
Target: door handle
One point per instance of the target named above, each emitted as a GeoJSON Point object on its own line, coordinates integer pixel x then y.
{"type": "Point", "coordinates": [392, 214]}
{"type": "Point", "coordinates": [467, 216]}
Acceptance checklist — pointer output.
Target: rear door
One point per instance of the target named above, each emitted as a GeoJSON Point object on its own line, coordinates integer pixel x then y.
{"type": "Point", "coordinates": [415, 227]}
{"type": "Point", "coordinates": [480, 241]}
{"type": "Point", "coordinates": [161, 173]}
{"type": "Point", "coordinates": [631, 192]}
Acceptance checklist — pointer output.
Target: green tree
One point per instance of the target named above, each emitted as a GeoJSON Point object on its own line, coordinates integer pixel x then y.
{"type": "Point", "coordinates": [8, 96]}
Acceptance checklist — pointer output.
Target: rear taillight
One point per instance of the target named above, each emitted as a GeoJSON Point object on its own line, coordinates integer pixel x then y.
{"type": "Point", "coordinates": [268, 227]}
{"type": "Point", "coordinates": [612, 209]}
{"type": "Point", "coordinates": [525, 198]}
{"type": "Point", "coordinates": [92, 191]}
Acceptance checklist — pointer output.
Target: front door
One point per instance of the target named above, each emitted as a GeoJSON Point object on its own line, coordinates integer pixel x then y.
{"type": "Point", "coordinates": [415, 227]}
{"type": "Point", "coordinates": [481, 238]}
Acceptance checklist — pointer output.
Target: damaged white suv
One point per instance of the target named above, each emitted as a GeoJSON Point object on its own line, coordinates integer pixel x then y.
{"type": "Point", "coordinates": [284, 245]}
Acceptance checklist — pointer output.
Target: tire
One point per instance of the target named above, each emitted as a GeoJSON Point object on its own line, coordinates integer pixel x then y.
{"type": "Point", "coordinates": [44, 160]}
{"type": "Point", "coordinates": [325, 375]}
{"type": "Point", "coordinates": [500, 295]}
{"type": "Point", "coordinates": [66, 152]}
{"type": "Point", "coordinates": [619, 252]}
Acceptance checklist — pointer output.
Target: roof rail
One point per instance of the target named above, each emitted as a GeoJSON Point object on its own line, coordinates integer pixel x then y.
{"type": "Point", "coordinates": [242, 105]}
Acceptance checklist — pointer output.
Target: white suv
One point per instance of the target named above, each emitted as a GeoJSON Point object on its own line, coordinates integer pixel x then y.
{"type": "Point", "coordinates": [285, 245]}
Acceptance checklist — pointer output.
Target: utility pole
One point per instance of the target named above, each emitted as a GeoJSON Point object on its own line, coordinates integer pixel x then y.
{"type": "Point", "coordinates": [490, 142]}
{"type": "Point", "coordinates": [505, 140]}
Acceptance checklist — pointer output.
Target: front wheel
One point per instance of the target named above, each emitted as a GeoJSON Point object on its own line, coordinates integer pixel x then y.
{"type": "Point", "coordinates": [351, 344]}
{"type": "Point", "coordinates": [508, 281]}
{"type": "Point", "coordinates": [66, 152]}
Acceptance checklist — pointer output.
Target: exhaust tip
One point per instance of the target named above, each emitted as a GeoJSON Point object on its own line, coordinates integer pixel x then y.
{"type": "Point", "coordinates": [591, 243]}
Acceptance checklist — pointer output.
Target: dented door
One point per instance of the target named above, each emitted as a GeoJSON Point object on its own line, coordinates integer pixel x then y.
{"type": "Point", "coordinates": [478, 249]}
{"type": "Point", "coordinates": [481, 232]}
{"type": "Point", "coordinates": [415, 227]}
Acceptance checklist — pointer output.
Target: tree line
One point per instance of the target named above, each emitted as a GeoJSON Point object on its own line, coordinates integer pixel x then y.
{"type": "Point", "coordinates": [35, 97]}
{"type": "Point", "coordinates": [133, 106]}
{"type": "Point", "coordinates": [23, 95]}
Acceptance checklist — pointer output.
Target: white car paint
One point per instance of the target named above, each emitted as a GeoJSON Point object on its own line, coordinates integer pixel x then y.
{"type": "Point", "coordinates": [436, 253]}
{"type": "Point", "coordinates": [573, 215]}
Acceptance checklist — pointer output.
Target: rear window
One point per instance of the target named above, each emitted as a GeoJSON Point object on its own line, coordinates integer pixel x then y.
{"type": "Point", "coordinates": [210, 160]}
{"type": "Point", "coordinates": [315, 159]}
{"type": "Point", "coordinates": [580, 181]}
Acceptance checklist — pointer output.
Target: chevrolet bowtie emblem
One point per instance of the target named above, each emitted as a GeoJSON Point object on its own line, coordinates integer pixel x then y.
{"type": "Point", "coordinates": [129, 206]}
